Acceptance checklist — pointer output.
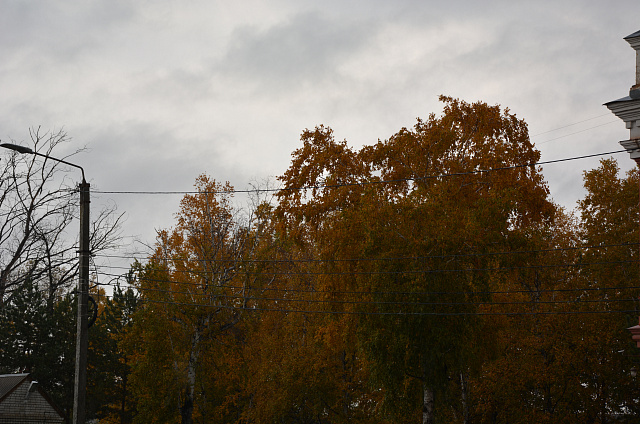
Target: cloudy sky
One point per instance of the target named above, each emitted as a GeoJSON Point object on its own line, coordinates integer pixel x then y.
{"type": "Point", "coordinates": [162, 91]}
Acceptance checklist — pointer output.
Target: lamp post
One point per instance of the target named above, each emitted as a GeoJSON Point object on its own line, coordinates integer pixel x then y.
{"type": "Point", "coordinates": [82, 339]}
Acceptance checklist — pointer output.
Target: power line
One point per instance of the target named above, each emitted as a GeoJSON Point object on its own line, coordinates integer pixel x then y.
{"type": "Point", "coordinates": [373, 302]}
{"type": "Point", "coordinates": [363, 183]}
{"type": "Point", "coordinates": [571, 125]}
{"type": "Point", "coordinates": [382, 259]}
{"type": "Point", "coordinates": [578, 132]}
{"type": "Point", "coordinates": [398, 313]}
{"type": "Point", "coordinates": [204, 272]}
{"type": "Point", "coordinates": [385, 293]}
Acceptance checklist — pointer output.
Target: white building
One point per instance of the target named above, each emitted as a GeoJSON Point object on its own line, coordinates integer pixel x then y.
{"type": "Point", "coordinates": [628, 108]}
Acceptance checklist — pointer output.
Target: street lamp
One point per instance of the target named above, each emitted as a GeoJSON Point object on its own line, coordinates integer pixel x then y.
{"type": "Point", "coordinates": [82, 339]}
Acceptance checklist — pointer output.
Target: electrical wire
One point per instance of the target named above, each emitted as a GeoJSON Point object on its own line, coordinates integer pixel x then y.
{"type": "Point", "coordinates": [331, 260]}
{"type": "Point", "coordinates": [579, 132]}
{"type": "Point", "coordinates": [362, 183]}
{"type": "Point", "coordinates": [380, 293]}
{"type": "Point", "coordinates": [404, 304]}
{"type": "Point", "coordinates": [571, 125]}
{"type": "Point", "coordinates": [201, 273]}
{"type": "Point", "coordinates": [398, 313]}
{"type": "Point", "coordinates": [372, 302]}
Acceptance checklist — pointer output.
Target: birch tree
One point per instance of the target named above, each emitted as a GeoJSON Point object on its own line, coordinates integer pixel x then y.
{"type": "Point", "coordinates": [408, 217]}
{"type": "Point", "coordinates": [193, 294]}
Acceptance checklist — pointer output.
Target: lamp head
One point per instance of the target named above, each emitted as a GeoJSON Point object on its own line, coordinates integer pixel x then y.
{"type": "Point", "coordinates": [19, 149]}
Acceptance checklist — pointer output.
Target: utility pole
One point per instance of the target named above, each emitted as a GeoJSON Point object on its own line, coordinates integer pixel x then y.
{"type": "Point", "coordinates": [82, 333]}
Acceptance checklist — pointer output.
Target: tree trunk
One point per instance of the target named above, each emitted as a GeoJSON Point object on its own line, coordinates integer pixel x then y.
{"type": "Point", "coordinates": [427, 405]}
{"type": "Point", "coordinates": [186, 410]}
{"type": "Point", "coordinates": [465, 400]}
{"type": "Point", "coordinates": [123, 403]}
{"type": "Point", "coordinates": [346, 379]}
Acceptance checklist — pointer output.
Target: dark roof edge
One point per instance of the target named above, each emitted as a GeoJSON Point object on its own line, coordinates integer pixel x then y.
{"type": "Point", "coordinates": [622, 100]}
{"type": "Point", "coordinates": [634, 35]}
{"type": "Point", "coordinates": [51, 402]}
{"type": "Point", "coordinates": [24, 377]}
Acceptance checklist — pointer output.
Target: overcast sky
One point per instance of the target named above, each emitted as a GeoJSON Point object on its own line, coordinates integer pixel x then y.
{"type": "Point", "coordinates": [162, 91]}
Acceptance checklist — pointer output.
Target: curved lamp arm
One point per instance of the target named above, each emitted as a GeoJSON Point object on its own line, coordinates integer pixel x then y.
{"type": "Point", "coordinates": [27, 150]}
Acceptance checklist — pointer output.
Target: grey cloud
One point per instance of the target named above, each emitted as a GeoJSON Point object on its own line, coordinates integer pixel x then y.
{"type": "Point", "coordinates": [60, 30]}
{"type": "Point", "coordinates": [305, 49]}
{"type": "Point", "coordinates": [161, 96]}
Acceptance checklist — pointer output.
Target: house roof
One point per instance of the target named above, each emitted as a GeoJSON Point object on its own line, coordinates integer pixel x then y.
{"type": "Point", "coordinates": [621, 100]}
{"type": "Point", "coordinates": [8, 382]}
{"type": "Point", "coordinates": [634, 35]}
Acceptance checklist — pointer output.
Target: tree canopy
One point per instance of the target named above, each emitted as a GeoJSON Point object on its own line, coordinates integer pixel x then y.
{"type": "Point", "coordinates": [428, 277]}
{"type": "Point", "coordinates": [425, 278]}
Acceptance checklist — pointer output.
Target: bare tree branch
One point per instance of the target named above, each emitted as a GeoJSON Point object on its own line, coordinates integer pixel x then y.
{"type": "Point", "coordinates": [38, 204]}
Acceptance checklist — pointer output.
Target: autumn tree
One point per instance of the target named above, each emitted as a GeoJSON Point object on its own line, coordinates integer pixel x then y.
{"type": "Point", "coordinates": [410, 223]}
{"type": "Point", "coordinates": [301, 360]}
{"type": "Point", "coordinates": [194, 292]}
{"type": "Point", "coordinates": [427, 277]}
{"type": "Point", "coordinates": [566, 356]}
{"type": "Point", "coordinates": [534, 313]}
{"type": "Point", "coordinates": [609, 232]}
